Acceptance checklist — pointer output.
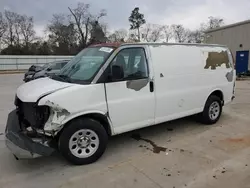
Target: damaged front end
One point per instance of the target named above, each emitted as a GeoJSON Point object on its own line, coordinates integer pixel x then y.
{"type": "Point", "coordinates": [55, 121]}
{"type": "Point", "coordinates": [31, 129]}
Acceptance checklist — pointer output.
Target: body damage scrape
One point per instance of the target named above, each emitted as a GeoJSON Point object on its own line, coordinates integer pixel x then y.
{"type": "Point", "coordinates": [57, 115]}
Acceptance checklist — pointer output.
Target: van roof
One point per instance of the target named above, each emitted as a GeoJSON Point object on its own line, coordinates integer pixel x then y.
{"type": "Point", "coordinates": [186, 44]}
{"type": "Point", "coordinates": [116, 45]}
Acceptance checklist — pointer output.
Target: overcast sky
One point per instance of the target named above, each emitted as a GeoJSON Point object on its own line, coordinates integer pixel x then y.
{"type": "Point", "coordinates": [190, 13]}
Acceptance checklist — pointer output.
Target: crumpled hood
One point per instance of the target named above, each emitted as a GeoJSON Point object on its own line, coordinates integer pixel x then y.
{"type": "Point", "coordinates": [35, 68]}
{"type": "Point", "coordinates": [32, 91]}
{"type": "Point", "coordinates": [40, 73]}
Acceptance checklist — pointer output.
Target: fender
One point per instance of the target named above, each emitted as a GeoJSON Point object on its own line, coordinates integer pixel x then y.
{"type": "Point", "coordinates": [60, 117]}
{"type": "Point", "coordinates": [89, 113]}
{"type": "Point", "coordinates": [73, 116]}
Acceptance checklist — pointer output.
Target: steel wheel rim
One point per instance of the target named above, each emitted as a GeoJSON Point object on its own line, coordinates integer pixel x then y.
{"type": "Point", "coordinates": [84, 143]}
{"type": "Point", "coordinates": [214, 110]}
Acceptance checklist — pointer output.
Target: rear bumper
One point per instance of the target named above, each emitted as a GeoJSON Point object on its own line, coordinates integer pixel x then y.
{"type": "Point", "coordinates": [20, 144]}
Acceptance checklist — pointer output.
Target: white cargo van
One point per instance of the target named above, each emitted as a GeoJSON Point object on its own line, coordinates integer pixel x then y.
{"type": "Point", "coordinates": [109, 89]}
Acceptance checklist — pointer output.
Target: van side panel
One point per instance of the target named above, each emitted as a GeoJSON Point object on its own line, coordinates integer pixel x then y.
{"type": "Point", "coordinates": [183, 80]}
{"type": "Point", "coordinates": [223, 75]}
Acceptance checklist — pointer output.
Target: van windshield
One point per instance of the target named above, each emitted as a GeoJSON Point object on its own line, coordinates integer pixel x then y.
{"type": "Point", "coordinates": [84, 66]}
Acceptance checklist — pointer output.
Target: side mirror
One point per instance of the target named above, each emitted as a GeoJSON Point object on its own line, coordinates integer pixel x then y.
{"type": "Point", "coordinates": [49, 69]}
{"type": "Point", "coordinates": [117, 73]}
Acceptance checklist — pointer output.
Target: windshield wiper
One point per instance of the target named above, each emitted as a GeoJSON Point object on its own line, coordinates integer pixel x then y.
{"type": "Point", "coordinates": [65, 77]}
{"type": "Point", "coordinates": [61, 77]}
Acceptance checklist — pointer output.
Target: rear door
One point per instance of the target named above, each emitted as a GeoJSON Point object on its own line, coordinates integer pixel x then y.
{"type": "Point", "coordinates": [131, 101]}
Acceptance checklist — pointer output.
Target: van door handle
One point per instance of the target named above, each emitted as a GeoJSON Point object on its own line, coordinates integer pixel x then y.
{"type": "Point", "coordinates": [151, 86]}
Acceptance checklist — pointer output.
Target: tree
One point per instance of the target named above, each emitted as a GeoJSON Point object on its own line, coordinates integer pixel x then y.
{"type": "Point", "coordinates": [19, 29]}
{"type": "Point", "coordinates": [2, 25]}
{"type": "Point", "coordinates": [195, 36]}
{"type": "Point", "coordinates": [26, 29]}
{"type": "Point", "coordinates": [167, 33]}
{"type": "Point", "coordinates": [118, 35]}
{"type": "Point", "coordinates": [152, 32]}
{"type": "Point", "coordinates": [97, 34]}
{"type": "Point", "coordinates": [82, 18]}
{"type": "Point", "coordinates": [41, 47]}
{"type": "Point", "coordinates": [132, 36]}
{"type": "Point", "coordinates": [17, 33]}
{"type": "Point", "coordinates": [180, 33]}
{"type": "Point", "coordinates": [136, 20]}
{"type": "Point", "coordinates": [97, 17]}
{"type": "Point", "coordinates": [2, 28]}
{"type": "Point", "coordinates": [62, 35]}
{"type": "Point", "coordinates": [11, 35]}
{"type": "Point", "coordinates": [215, 22]}
{"type": "Point", "coordinates": [105, 29]}
{"type": "Point", "coordinates": [212, 23]}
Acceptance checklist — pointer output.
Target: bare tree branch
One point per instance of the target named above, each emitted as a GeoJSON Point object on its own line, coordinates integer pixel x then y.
{"type": "Point", "coordinates": [180, 33]}
{"type": "Point", "coordinates": [168, 33]}
{"type": "Point", "coordinates": [27, 29]}
{"type": "Point", "coordinates": [152, 32]}
{"type": "Point", "coordinates": [102, 13]}
{"type": "Point", "coordinates": [78, 21]}
{"type": "Point", "coordinates": [9, 37]}
{"type": "Point", "coordinates": [212, 23]}
{"type": "Point", "coordinates": [195, 36]}
{"type": "Point", "coordinates": [118, 35]}
{"type": "Point", "coordinates": [3, 25]}
{"type": "Point", "coordinates": [62, 35]}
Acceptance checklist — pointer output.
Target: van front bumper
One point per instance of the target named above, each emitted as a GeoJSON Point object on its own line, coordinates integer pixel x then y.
{"type": "Point", "coordinates": [22, 146]}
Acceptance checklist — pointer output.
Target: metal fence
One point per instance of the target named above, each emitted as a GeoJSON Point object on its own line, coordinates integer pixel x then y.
{"type": "Point", "coordinates": [14, 62]}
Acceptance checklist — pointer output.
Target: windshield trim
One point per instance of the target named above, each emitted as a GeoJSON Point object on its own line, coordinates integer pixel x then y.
{"type": "Point", "coordinates": [104, 62]}
{"type": "Point", "coordinates": [89, 81]}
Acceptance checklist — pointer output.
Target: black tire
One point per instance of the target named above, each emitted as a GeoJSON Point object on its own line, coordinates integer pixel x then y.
{"type": "Point", "coordinates": [204, 117]}
{"type": "Point", "coordinates": [75, 126]}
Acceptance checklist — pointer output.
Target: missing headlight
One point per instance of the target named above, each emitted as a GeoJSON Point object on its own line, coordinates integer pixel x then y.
{"type": "Point", "coordinates": [42, 115]}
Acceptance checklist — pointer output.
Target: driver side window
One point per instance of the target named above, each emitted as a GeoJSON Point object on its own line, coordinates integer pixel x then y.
{"type": "Point", "coordinates": [133, 62]}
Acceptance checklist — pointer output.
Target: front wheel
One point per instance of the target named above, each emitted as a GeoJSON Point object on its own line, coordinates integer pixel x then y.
{"type": "Point", "coordinates": [83, 141]}
{"type": "Point", "coordinates": [212, 111]}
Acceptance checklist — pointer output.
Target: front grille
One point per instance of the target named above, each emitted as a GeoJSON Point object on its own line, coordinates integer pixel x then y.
{"type": "Point", "coordinates": [32, 115]}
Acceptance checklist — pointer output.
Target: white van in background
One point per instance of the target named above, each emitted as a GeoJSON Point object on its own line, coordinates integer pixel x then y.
{"type": "Point", "coordinates": [118, 89]}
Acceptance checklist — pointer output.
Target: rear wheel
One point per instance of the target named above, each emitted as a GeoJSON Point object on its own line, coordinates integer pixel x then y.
{"type": "Point", "coordinates": [83, 141]}
{"type": "Point", "coordinates": [212, 111]}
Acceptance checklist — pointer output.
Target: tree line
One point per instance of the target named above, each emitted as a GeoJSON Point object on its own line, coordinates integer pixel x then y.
{"type": "Point", "coordinates": [68, 33]}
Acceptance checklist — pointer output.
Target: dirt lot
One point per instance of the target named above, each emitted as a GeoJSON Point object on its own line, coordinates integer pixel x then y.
{"type": "Point", "coordinates": [177, 154]}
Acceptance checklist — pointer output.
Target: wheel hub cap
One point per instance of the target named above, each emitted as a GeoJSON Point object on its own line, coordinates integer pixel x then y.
{"type": "Point", "coordinates": [214, 110]}
{"type": "Point", "coordinates": [84, 143]}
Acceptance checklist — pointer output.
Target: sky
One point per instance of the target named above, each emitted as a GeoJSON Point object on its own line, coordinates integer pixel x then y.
{"type": "Point", "coordinates": [190, 13]}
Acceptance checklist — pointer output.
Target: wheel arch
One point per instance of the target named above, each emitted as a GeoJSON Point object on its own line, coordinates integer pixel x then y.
{"type": "Point", "coordinates": [218, 93]}
{"type": "Point", "coordinates": [101, 117]}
